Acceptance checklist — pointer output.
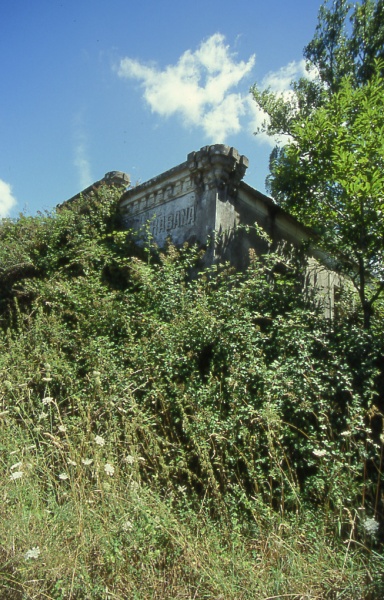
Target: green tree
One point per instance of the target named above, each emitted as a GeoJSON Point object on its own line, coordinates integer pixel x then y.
{"type": "Point", "coordinates": [329, 173]}
{"type": "Point", "coordinates": [347, 40]}
{"type": "Point", "coordinates": [337, 155]}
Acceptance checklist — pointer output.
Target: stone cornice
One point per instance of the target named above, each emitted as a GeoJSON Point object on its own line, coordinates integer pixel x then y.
{"type": "Point", "coordinates": [157, 191]}
{"type": "Point", "coordinates": [217, 166]}
{"type": "Point", "coordinates": [212, 166]}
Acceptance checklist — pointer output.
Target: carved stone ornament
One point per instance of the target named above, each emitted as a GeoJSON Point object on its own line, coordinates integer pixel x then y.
{"type": "Point", "coordinates": [217, 166]}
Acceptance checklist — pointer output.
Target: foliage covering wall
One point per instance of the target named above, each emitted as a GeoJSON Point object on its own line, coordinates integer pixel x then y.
{"type": "Point", "coordinates": [125, 372]}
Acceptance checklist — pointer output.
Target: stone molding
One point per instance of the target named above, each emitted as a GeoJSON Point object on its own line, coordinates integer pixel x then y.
{"type": "Point", "coordinates": [117, 178]}
{"type": "Point", "coordinates": [217, 166]}
{"type": "Point", "coordinates": [149, 197]}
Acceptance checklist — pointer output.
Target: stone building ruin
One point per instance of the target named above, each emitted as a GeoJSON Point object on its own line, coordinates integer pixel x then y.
{"type": "Point", "coordinates": [205, 198]}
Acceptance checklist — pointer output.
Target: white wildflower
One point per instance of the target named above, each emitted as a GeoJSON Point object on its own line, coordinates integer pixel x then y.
{"type": "Point", "coordinates": [71, 462]}
{"type": "Point", "coordinates": [32, 553]}
{"type": "Point", "coordinates": [319, 453]}
{"type": "Point", "coordinates": [47, 400]}
{"type": "Point", "coordinates": [109, 469]}
{"type": "Point", "coordinates": [87, 461]}
{"type": "Point", "coordinates": [62, 428]}
{"type": "Point", "coordinates": [127, 525]}
{"type": "Point", "coordinates": [96, 376]}
{"type": "Point", "coordinates": [130, 460]}
{"type": "Point", "coordinates": [345, 433]}
{"type": "Point", "coordinates": [371, 526]}
{"type": "Point", "coordinates": [63, 476]}
{"type": "Point", "coordinates": [16, 466]}
{"type": "Point", "coordinates": [100, 441]}
{"type": "Point", "coordinates": [16, 475]}
{"type": "Point", "coordinates": [43, 415]}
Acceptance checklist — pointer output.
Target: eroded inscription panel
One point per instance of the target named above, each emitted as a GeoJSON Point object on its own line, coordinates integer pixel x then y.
{"type": "Point", "coordinates": [175, 219]}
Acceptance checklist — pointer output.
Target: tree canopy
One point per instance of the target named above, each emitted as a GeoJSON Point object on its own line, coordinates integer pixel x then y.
{"type": "Point", "coordinates": [330, 173]}
{"type": "Point", "coordinates": [347, 41]}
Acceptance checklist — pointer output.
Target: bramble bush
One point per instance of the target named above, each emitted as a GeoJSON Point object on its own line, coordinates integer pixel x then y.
{"type": "Point", "coordinates": [170, 430]}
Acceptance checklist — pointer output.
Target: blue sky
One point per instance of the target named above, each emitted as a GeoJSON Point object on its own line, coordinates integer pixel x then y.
{"type": "Point", "coordinates": [91, 86]}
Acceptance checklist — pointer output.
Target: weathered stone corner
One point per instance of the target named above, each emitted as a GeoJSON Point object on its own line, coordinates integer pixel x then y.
{"type": "Point", "coordinates": [217, 166]}
{"type": "Point", "coordinates": [117, 178]}
{"type": "Point", "coordinates": [112, 178]}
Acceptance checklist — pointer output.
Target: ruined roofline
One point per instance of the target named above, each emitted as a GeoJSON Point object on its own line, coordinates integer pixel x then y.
{"type": "Point", "coordinates": [224, 161]}
{"type": "Point", "coordinates": [205, 198]}
{"type": "Point", "coordinates": [112, 178]}
{"type": "Point", "coordinates": [215, 166]}
{"type": "Point", "coordinates": [204, 160]}
{"type": "Point", "coordinates": [276, 210]}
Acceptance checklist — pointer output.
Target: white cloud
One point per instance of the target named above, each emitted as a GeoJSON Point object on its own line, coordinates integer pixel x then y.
{"type": "Point", "coordinates": [82, 164]}
{"type": "Point", "coordinates": [279, 82]}
{"type": "Point", "coordinates": [198, 87]}
{"type": "Point", "coordinates": [81, 154]}
{"type": "Point", "coordinates": [225, 117]}
{"type": "Point", "coordinates": [7, 200]}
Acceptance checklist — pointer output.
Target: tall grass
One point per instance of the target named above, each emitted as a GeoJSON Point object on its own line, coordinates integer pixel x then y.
{"type": "Point", "coordinates": [70, 528]}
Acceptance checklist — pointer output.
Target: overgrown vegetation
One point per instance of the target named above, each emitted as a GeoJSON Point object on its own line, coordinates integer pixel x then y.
{"type": "Point", "coordinates": [169, 436]}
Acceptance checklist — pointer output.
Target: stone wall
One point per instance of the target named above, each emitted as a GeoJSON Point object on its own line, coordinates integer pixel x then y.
{"type": "Point", "coordinates": [204, 199]}
{"type": "Point", "coordinates": [191, 201]}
